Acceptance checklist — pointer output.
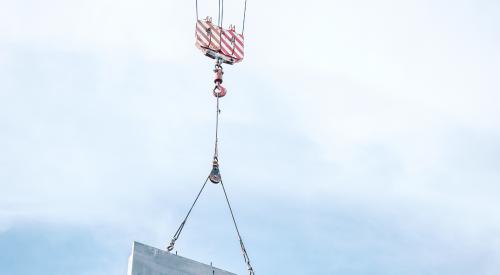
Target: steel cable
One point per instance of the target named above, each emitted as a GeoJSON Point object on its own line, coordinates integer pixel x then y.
{"type": "Point", "coordinates": [244, 18]}
{"type": "Point", "coordinates": [242, 245]}
{"type": "Point", "coordinates": [179, 230]}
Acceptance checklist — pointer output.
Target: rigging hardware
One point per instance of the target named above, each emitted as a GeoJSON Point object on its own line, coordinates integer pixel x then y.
{"type": "Point", "coordinates": [225, 46]}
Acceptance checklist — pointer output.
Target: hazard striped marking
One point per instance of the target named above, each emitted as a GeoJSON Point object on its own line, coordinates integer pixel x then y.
{"type": "Point", "coordinates": [226, 42]}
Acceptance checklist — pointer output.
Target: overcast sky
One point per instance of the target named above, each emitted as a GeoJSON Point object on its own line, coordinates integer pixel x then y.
{"type": "Point", "coordinates": [357, 137]}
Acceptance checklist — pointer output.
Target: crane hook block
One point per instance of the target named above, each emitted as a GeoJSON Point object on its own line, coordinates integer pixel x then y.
{"type": "Point", "coordinates": [219, 43]}
{"type": "Point", "coordinates": [215, 173]}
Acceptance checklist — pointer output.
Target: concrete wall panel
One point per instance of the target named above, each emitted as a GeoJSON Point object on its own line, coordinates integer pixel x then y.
{"type": "Point", "coordinates": [147, 260]}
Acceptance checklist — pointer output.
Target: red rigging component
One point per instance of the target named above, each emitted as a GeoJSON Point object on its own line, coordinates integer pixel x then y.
{"type": "Point", "coordinates": [219, 43]}
{"type": "Point", "coordinates": [219, 90]}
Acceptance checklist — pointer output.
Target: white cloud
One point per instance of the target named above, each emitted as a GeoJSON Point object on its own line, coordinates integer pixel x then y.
{"type": "Point", "coordinates": [106, 112]}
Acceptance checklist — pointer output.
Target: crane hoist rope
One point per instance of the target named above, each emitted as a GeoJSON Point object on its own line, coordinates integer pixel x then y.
{"type": "Point", "coordinates": [221, 14]}
{"type": "Point", "coordinates": [225, 46]}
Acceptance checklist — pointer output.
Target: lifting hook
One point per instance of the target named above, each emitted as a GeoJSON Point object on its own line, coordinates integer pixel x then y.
{"type": "Point", "coordinates": [219, 90]}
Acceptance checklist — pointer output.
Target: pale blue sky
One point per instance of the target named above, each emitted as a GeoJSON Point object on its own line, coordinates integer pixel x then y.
{"type": "Point", "coordinates": [357, 137]}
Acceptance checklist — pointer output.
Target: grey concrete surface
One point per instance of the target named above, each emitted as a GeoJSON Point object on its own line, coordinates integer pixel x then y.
{"type": "Point", "coordinates": [147, 260]}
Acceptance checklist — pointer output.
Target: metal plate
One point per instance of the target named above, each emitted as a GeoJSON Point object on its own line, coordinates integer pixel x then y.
{"type": "Point", "coordinates": [147, 260]}
{"type": "Point", "coordinates": [216, 42]}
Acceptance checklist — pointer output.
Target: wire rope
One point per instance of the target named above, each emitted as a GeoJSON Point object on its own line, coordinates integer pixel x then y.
{"type": "Point", "coordinates": [197, 18]}
{"type": "Point", "coordinates": [242, 245]}
{"type": "Point", "coordinates": [244, 18]}
{"type": "Point", "coordinates": [179, 230]}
